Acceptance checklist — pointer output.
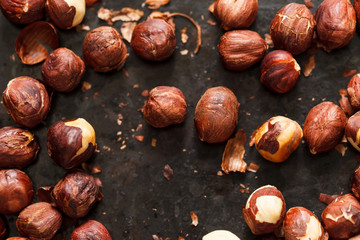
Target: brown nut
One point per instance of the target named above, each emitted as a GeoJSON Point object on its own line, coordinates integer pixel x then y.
{"type": "Point", "coordinates": [66, 14]}
{"type": "Point", "coordinates": [18, 147]}
{"type": "Point", "coordinates": [165, 106]}
{"type": "Point", "coordinates": [16, 191]}
{"type": "Point", "coordinates": [90, 230]}
{"type": "Point", "coordinates": [153, 40]}
{"type": "Point", "coordinates": [324, 127]}
{"type": "Point", "coordinates": [27, 101]}
{"type": "Point", "coordinates": [71, 143]}
{"type": "Point", "coordinates": [39, 221]}
{"type": "Point", "coordinates": [2, 229]}
{"type": "Point", "coordinates": [353, 90]}
{"type": "Point", "coordinates": [341, 218]}
{"type": "Point", "coordinates": [216, 115]}
{"type": "Point", "coordinates": [277, 138]}
{"type": "Point", "coordinates": [355, 183]}
{"type": "Point", "coordinates": [357, 11]}
{"type": "Point", "coordinates": [336, 24]}
{"type": "Point", "coordinates": [240, 49]}
{"type": "Point", "coordinates": [352, 130]}
{"type": "Point", "coordinates": [279, 71]}
{"type": "Point", "coordinates": [23, 12]}
{"type": "Point", "coordinates": [104, 50]}
{"type": "Point", "coordinates": [265, 210]}
{"type": "Point", "coordinates": [63, 70]}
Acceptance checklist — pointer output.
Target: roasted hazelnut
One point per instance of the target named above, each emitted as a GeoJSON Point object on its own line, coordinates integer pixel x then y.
{"type": "Point", "coordinates": [240, 49]}
{"type": "Point", "coordinates": [235, 14]}
{"type": "Point", "coordinates": [220, 234]}
{"type": "Point", "coordinates": [265, 210]}
{"type": "Point", "coordinates": [153, 40]}
{"type": "Point", "coordinates": [216, 115]}
{"type": "Point", "coordinates": [66, 14]}
{"type": "Point", "coordinates": [277, 138]}
{"type": "Point", "coordinates": [165, 106]}
{"type": "Point", "coordinates": [341, 218]}
{"type": "Point", "coordinates": [90, 230]}
{"type": "Point", "coordinates": [324, 127]}
{"type": "Point", "coordinates": [355, 183]}
{"type": "Point", "coordinates": [357, 11]}
{"type": "Point", "coordinates": [353, 90]}
{"type": "Point", "coordinates": [336, 24]}
{"type": "Point", "coordinates": [104, 50]}
{"type": "Point", "coordinates": [39, 221]}
{"type": "Point", "coordinates": [2, 229]}
{"type": "Point", "coordinates": [27, 101]}
{"type": "Point", "coordinates": [71, 142]}
{"type": "Point", "coordinates": [16, 191]}
{"type": "Point", "coordinates": [352, 130]}
{"type": "Point", "coordinates": [76, 193]}
{"type": "Point", "coordinates": [18, 147]}
{"type": "Point", "coordinates": [23, 11]}
{"type": "Point", "coordinates": [279, 71]}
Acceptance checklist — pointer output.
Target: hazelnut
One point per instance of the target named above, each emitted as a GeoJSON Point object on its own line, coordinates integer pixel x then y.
{"type": "Point", "coordinates": [66, 14]}
{"type": "Point", "coordinates": [357, 11]}
{"type": "Point", "coordinates": [352, 130]}
{"type": "Point", "coordinates": [341, 218]}
{"type": "Point", "coordinates": [71, 142]}
{"type": "Point", "coordinates": [353, 90]}
{"type": "Point", "coordinates": [27, 101]}
{"type": "Point", "coordinates": [216, 115]}
{"type": "Point", "coordinates": [2, 229]}
{"type": "Point", "coordinates": [104, 50]}
{"type": "Point", "coordinates": [336, 24]}
{"type": "Point", "coordinates": [240, 49]}
{"type": "Point", "coordinates": [165, 106]}
{"type": "Point", "coordinates": [265, 210]}
{"type": "Point", "coordinates": [23, 12]}
{"type": "Point", "coordinates": [18, 147]}
{"type": "Point", "coordinates": [153, 40]}
{"type": "Point", "coordinates": [324, 127]}
{"type": "Point", "coordinates": [76, 193]}
{"type": "Point", "coordinates": [16, 191]}
{"type": "Point", "coordinates": [219, 235]}
{"type": "Point", "coordinates": [90, 230]}
{"type": "Point", "coordinates": [277, 138]}
{"type": "Point", "coordinates": [39, 221]}
{"type": "Point", "coordinates": [355, 183]}
{"type": "Point", "coordinates": [279, 71]}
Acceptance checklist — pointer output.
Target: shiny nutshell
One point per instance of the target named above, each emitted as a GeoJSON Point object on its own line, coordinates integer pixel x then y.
{"type": "Point", "coordinates": [353, 91]}
{"type": "Point", "coordinates": [23, 12]}
{"type": "Point", "coordinates": [90, 230]}
{"type": "Point", "coordinates": [66, 14]}
{"type": "Point", "coordinates": [352, 130]}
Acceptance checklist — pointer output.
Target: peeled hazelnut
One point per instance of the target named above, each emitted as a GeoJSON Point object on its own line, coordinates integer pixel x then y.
{"type": "Point", "coordinates": [90, 230]}
{"type": "Point", "coordinates": [355, 183]}
{"type": "Point", "coordinates": [353, 90]}
{"type": "Point", "coordinates": [265, 210]}
{"type": "Point", "coordinates": [341, 218]}
{"type": "Point", "coordinates": [39, 221]}
{"type": "Point", "coordinates": [352, 130]}
{"type": "Point", "coordinates": [71, 143]}
{"type": "Point", "coordinates": [153, 40]}
{"type": "Point", "coordinates": [76, 193]}
{"type": "Point", "coordinates": [336, 24]}
{"type": "Point", "coordinates": [277, 138]}
{"type": "Point", "coordinates": [279, 71]}
{"type": "Point", "coordinates": [66, 14]}
{"type": "Point", "coordinates": [216, 115]}
{"type": "Point", "coordinates": [27, 101]}
{"type": "Point", "coordinates": [240, 49]}
{"type": "Point", "coordinates": [16, 191]}
{"type": "Point", "coordinates": [104, 50]}
{"type": "Point", "coordinates": [23, 12]}
{"type": "Point", "coordinates": [220, 235]}
{"type": "Point", "coordinates": [2, 229]}
{"type": "Point", "coordinates": [165, 106]}
{"type": "Point", "coordinates": [63, 70]}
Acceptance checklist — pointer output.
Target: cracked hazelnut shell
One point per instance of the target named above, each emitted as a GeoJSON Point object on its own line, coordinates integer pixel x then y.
{"type": "Point", "coordinates": [90, 230]}
{"type": "Point", "coordinates": [355, 183]}
{"type": "Point", "coordinates": [353, 90]}
{"type": "Point", "coordinates": [23, 12]}
{"type": "Point", "coordinates": [352, 130]}
{"type": "Point", "coordinates": [66, 14]}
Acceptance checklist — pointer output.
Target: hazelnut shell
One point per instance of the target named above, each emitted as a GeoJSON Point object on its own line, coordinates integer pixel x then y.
{"type": "Point", "coordinates": [352, 130]}
{"type": "Point", "coordinates": [353, 90]}
{"type": "Point", "coordinates": [90, 230]}
{"type": "Point", "coordinates": [23, 12]}
{"type": "Point", "coordinates": [66, 14]}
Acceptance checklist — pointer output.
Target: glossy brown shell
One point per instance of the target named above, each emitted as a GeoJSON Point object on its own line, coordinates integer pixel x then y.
{"type": "Point", "coordinates": [353, 90]}
{"type": "Point", "coordinates": [90, 230]}
{"type": "Point", "coordinates": [23, 12]}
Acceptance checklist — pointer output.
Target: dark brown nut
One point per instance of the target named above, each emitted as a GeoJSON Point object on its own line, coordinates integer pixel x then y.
{"type": "Point", "coordinates": [355, 183]}
{"type": "Point", "coordinates": [353, 90]}
{"type": "Point", "coordinates": [352, 130]}
{"type": "Point", "coordinates": [23, 12]}
{"type": "Point", "coordinates": [277, 138]}
{"type": "Point", "coordinates": [165, 106]}
{"type": "Point", "coordinates": [16, 191]}
{"type": "Point", "coordinates": [63, 70]}
{"type": "Point", "coordinates": [66, 14]}
{"type": "Point", "coordinates": [336, 24]}
{"type": "Point", "coordinates": [300, 223]}
{"type": "Point", "coordinates": [341, 218]}
{"type": "Point", "coordinates": [265, 210]}
{"type": "Point", "coordinates": [235, 14]}
{"type": "Point", "coordinates": [324, 127]}
{"type": "Point", "coordinates": [153, 40]}
{"type": "Point", "coordinates": [104, 50]}
{"type": "Point", "coordinates": [27, 101]}
{"type": "Point", "coordinates": [292, 28]}
{"type": "Point", "coordinates": [345, 104]}
{"type": "Point", "coordinates": [92, 230]}
{"type": "Point", "coordinates": [2, 229]}
{"type": "Point", "coordinates": [240, 49]}
{"type": "Point", "coordinates": [76, 193]}
{"type": "Point", "coordinates": [71, 143]}
{"type": "Point", "coordinates": [216, 115]}
{"type": "Point", "coordinates": [279, 71]}
{"type": "Point", "coordinates": [39, 221]}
